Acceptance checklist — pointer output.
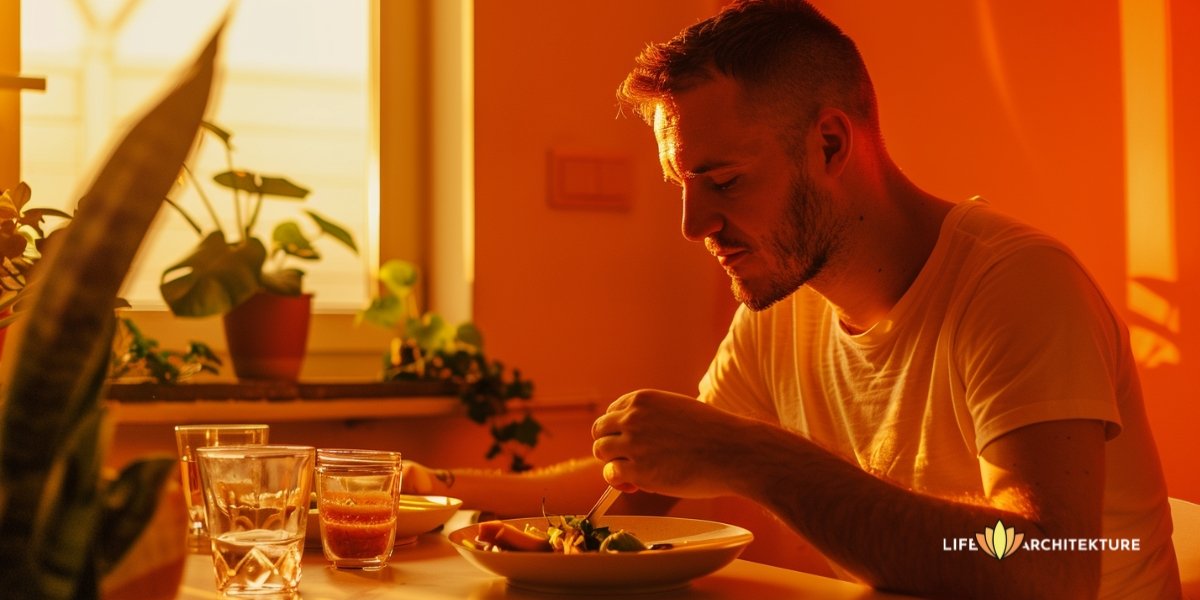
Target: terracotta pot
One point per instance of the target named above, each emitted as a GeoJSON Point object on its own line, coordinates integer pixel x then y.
{"type": "Point", "coordinates": [268, 336]}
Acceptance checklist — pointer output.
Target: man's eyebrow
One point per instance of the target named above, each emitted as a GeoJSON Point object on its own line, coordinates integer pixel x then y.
{"type": "Point", "coordinates": [703, 168]}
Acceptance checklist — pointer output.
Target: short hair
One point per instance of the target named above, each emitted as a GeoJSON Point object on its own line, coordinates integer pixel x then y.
{"type": "Point", "coordinates": [784, 52]}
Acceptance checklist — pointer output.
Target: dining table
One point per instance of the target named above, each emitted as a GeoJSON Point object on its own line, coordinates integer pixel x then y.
{"type": "Point", "coordinates": [431, 569]}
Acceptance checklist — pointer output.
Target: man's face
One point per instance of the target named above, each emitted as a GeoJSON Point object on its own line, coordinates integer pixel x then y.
{"type": "Point", "coordinates": [746, 191]}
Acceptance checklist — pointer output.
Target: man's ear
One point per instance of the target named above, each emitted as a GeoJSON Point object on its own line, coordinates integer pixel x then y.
{"type": "Point", "coordinates": [836, 139]}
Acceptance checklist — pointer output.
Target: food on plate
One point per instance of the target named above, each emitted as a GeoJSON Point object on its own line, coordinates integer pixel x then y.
{"type": "Point", "coordinates": [569, 535]}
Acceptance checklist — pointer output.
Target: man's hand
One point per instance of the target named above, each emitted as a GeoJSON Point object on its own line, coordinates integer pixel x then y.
{"type": "Point", "coordinates": [420, 480]}
{"type": "Point", "coordinates": [667, 444]}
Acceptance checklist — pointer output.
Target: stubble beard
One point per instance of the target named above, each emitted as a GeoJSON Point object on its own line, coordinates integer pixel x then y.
{"type": "Point", "coordinates": [803, 244]}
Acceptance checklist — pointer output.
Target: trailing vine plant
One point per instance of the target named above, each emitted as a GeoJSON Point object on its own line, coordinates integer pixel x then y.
{"type": "Point", "coordinates": [427, 348]}
{"type": "Point", "coordinates": [135, 355]}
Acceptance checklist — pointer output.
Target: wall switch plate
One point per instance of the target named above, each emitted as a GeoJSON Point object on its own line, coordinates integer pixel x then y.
{"type": "Point", "coordinates": [589, 179]}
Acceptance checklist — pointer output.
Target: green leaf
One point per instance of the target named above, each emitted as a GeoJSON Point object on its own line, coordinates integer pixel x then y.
{"type": "Point", "coordinates": [285, 282]}
{"type": "Point", "coordinates": [254, 183]}
{"type": "Point", "coordinates": [128, 503]}
{"type": "Point", "coordinates": [398, 277]}
{"type": "Point", "coordinates": [37, 215]}
{"type": "Point", "coordinates": [215, 278]}
{"type": "Point", "coordinates": [527, 431]}
{"type": "Point", "coordinates": [8, 207]}
{"type": "Point", "coordinates": [430, 331]}
{"type": "Point", "coordinates": [238, 180]}
{"type": "Point", "coordinates": [281, 187]}
{"type": "Point", "coordinates": [386, 311]}
{"type": "Point", "coordinates": [469, 334]}
{"type": "Point", "coordinates": [333, 229]}
{"type": "Point", "coordinates": [288, 238]}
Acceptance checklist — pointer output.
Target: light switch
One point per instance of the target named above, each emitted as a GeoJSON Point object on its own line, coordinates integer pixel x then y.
{"type": "Point", "coordinates": [589, 179]}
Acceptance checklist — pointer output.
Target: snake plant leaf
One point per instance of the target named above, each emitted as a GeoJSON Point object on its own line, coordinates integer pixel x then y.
{"type": "Point", "coordinates": [285, 282]}
{"type": "Point", "coordinates": [288, 238]}
{"type": "Point", "coordinates": [50, 443]}
{"type": "Point", "coordinates": [334, 230]}
{"type": "Point", "coordinates": [66, 525]}
{"type": "Point", "coordinates": [128, 503]}
{"type": "Point", "coordinates": [215, 277]}
{"type": "Point", "coordinates": [261, 184]}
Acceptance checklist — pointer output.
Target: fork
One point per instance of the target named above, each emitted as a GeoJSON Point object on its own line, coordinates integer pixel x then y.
{"type": "Point", "coordinates": [606, 500]}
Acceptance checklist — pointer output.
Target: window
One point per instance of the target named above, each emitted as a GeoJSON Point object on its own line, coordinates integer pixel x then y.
{"type": "Point", "coordinates": [293, 90]}
{"type": "Point", "coordinates": [418, 89]}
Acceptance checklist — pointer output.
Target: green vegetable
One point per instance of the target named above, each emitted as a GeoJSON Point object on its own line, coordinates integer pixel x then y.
{"type": "Point", "coordinates": [622, 541]}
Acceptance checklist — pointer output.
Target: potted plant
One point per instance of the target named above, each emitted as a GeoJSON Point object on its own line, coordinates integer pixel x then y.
{"type": "Point", "coordinates": [252, 285]}
{"type": "Point", "coordinates": [66, 531]}
{"type": "Point", "coordinates": [23, 240]}
{"type": "Point", "coordinates": [427, 348]}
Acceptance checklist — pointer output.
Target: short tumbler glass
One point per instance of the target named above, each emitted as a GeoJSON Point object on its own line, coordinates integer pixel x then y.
{"type": "Point", "coordinates": [357, 496]}
{"type": "Point", "coordinates": [256, 498]}
{"type": "Point", "coordinates": [190, 437]}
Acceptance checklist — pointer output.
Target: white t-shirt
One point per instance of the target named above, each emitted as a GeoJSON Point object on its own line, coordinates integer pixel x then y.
{"type": "Point", "coordinates": [1002, 328]}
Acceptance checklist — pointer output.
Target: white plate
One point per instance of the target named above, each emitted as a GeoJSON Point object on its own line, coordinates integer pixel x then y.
{"type": "Point", "coordinates": [414, 515]}
{"type": "Point", "coordinates": [699, 548]}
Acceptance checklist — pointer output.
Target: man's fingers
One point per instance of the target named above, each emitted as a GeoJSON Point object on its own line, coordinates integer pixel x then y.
{"type": "Point", "coordinates": [616, 473]}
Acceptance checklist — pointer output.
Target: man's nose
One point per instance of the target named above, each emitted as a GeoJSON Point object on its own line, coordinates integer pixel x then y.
{"type": "Point", "coordinates": [700, 217]}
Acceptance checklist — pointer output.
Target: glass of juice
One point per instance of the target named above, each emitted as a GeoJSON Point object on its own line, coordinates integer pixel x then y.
{"type": "Point", "coordinates": [357, 495]}
{"type": "Point", "coordinates": [187, 439]}
{"type": "Point", "coordinates": [256, 499]}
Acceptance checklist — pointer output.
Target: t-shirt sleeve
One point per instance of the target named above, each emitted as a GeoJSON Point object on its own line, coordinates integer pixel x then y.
{"type": "Point", "coordinates": [734, 381]}
{"type": "Point", "coordinates": [1038, 342]}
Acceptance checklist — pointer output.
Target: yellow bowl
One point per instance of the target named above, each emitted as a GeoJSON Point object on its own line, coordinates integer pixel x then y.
{"type": "Point", "coordinates": [414, 515]}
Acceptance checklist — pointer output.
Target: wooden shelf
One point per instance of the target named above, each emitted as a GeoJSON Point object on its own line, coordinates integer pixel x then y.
{"type": "Point", "coordinates": [274, 401]}
{"type": "Point", "coordinates": [276, 390]}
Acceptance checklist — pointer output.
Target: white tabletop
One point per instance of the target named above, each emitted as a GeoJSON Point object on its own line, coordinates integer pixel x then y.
{"type": "Point", "coordinates": [432, 569]}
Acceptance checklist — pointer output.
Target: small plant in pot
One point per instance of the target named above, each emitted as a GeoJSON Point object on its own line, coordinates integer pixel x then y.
{"type": "Point", "coordinates": [23, 239]}
{"type": "Point", "coordinates": [251, 283]}
{"type": "Point", "coordinates": [428, 348]}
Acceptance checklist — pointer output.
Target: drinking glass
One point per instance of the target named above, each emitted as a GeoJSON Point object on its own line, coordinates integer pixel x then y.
{"type": "Point", "coordinates": [357, 496]}
{"type": "Point", "coordinates": [256, 499]}
{"type": "Point", "coordinates": [190, 437]}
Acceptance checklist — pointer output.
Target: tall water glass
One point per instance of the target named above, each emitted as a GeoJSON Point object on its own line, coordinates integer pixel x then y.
{"type": "Point", "coordinates": [256, 499]}
{"type": "Point", "coordinates": [190, 437]}
{"type": "Point", "coordinates": [357, 494]}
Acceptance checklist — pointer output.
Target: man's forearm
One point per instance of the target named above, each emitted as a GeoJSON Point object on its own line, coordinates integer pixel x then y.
{"type": "Point", "coordinates": [566, 488]}
{"type": "Point", "coordinates": [894, 538]}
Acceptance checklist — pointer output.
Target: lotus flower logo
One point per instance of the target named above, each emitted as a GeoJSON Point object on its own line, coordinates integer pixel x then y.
{"type": "Point", "coordinates": [999, 542]}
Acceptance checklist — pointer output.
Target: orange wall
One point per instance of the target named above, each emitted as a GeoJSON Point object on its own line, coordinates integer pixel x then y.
{"type": "Point", "coordinates": [586, 303]}
{"type": "Point", "coordinates": [1016, 100]}
{"type": "Point", "coordinates": [1174, 389]}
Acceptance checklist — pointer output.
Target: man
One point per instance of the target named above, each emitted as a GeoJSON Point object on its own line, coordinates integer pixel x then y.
{"type": "Point", "coordinates": [903, 370]}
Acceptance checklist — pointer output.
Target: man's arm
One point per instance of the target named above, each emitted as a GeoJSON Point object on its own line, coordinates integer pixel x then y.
{"type": "Point", "coordinates": [1044, 480]}
{"type": "Point", "coordinates": [569, 487]}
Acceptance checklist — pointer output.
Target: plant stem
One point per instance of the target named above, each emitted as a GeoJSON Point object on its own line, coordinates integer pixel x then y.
{"type": "Point", "coordinates": [203, 198]}
{"type": "Point", "coordinates": [185, 216]}
{"type": "Point", "coordinates": [254, 215]}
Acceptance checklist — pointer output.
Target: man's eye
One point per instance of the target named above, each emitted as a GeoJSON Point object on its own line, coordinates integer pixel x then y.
{"type": "Point", "coordinates": [721, 186]}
